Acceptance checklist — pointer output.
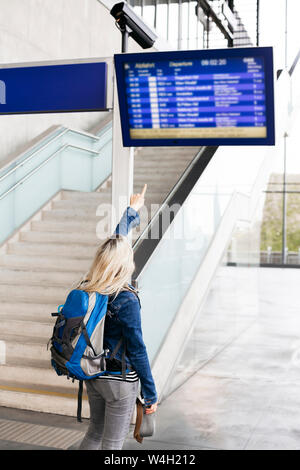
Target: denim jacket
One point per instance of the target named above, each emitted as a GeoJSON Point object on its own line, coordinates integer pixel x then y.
{"type": "Point", "coordinates": [126, 321]}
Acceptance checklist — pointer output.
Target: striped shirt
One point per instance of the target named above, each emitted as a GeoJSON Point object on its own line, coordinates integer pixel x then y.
{"type": "Point", "coordinates": [130, 376]}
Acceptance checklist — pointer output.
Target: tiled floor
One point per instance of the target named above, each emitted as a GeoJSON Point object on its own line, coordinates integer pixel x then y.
{"type": "Point", "coordinates": [247, 397]}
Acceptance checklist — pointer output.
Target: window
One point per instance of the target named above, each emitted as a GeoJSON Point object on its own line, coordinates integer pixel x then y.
{"type": "Point", "coordinates": [162, 19]}
{"type": "Point", "coordinates": [173, 23]}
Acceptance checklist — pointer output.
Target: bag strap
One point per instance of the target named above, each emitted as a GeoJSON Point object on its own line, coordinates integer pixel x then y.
{"type": "Point", "coordinates": [113, 354]}
{"type": "Point", "coordinates": [134, 291]}
{"type": "Point", "coordinates": [86, 337]}
{"type": "Point", "coordinates": [122, 339]}
{"type": "Point", "coordinates": [124, 362]}
{"type": "Point", "coordinates": [138, 422]}
{"type": "Point", "coordinates": [117, 347]}
{"type": "Point", "coordinates": [91, 305]}
{"type": "Point", "coordinates": [79, 401]}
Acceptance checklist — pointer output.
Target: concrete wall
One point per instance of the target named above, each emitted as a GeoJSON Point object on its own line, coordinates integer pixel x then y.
{"type": "Point", "coordinates": [37, 30]}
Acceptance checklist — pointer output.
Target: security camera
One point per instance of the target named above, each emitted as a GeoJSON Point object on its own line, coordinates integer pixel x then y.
{"type": "Point", "coordinates": [127, 19]}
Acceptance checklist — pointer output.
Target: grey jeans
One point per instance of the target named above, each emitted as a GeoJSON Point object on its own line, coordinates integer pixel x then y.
{"type": "Point", "coordinates": [111, 407]}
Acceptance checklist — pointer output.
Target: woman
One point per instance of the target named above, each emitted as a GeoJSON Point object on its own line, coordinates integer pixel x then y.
{"type": "Point", "coordinates": [112, 397]}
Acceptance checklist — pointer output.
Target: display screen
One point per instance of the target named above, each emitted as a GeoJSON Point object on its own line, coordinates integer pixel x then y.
{"type": "Point", "coordinates": [56, 88]}
{"type": "Point", "coordinates": [211, 97]}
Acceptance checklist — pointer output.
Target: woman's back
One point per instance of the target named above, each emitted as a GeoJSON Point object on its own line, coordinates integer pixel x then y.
{"type": "Point", "coordinates": [112, 397]}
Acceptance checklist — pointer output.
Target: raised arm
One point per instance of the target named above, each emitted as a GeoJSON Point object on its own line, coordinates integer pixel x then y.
{"type": "Point", "coordinates": [131, 218]}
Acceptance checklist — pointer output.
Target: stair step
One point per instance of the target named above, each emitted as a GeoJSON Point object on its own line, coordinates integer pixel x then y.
{"type": "Point", "coordinates": [165, 161]}
{"type": "Point", "coordinates": [39, 294]}
{"type": "Point", "coordinates": [89, 213]}
{"type": "Point", "coordinates": [94, 196]}
{"type": "Point", "coordinates": [43, 377]}
{"type": "Point", "coordinates": [65, 226]}
{"type": "Point", "coordinates": [86, 217]}
{"type": "Point", "coordinates": [38, 329]}
{"type": "Point", "coordinates": [88, 198]}
{"type": "Point", "coordinates": [71, 214]}
{"type": "Point", "coordinates": [168, 152]}
{"type": "Point", "coordinates": [71, 250]}
{"type": "Point", "coordinates": [45, 263]}
{"type": "Point", "coordinates": [86, 238]}
{"type": "Point", "coordinates": [32, 277]}
{"type": "Point", "coordinates": [74, 205]}
{"type": "Point", "coordinates": [154, 184]}
{"type": "Point", "coordinates": [20, 348]}
{"type": "Point", "coordinates": [154, 170]}
{"type": "Point", "coordinates": [41, 399]}
{"type": "Point", "coordinates": [27, 311]}
{"type": "Point", "coordinates": [156, 180]}
{"type": "Point", "coordinates": [40, 234]}
{"type": "Point", "coordinates": [66, 386]}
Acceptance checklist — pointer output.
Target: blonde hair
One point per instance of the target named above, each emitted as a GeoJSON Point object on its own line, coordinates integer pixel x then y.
{"type": "Point", "coordinates": [112, 267]}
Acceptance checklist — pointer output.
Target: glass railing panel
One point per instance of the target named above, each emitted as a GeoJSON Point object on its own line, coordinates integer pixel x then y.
{"type": "Point", "coordinates": [247, 238]}
{"type": "Point", "coordinates": [38, 159]}
{"type": "Point", "coordinates": [68, 159]}
{"type": "Point", "coordinates": [169, 273]}
{"type": "Point", "coordinates": [77, 138]}
{"type": "Point", "coordinates": [295, 89]}
{"type": "Point", "coordinates": [87, 173]}
{"type": "Point", "coordinates": [33, 150]}
{"type": "Point", "coordinates": [271, 222]}
{"type": "Point", "coordinates": [7, 182]}
{"type": "Point", "coordinates": [36, 191]}
{"type": "Point", "coordinates": [76, 169]}
{"type": "Point", "coordinates": [101, 165]}
{"type": "Point", "coordinates": [7, 210]}
{"type": "Point", "coordinates": [29, 160]}
{"type": "Point", "coordinates": [26, 198]}
{"type": "Point", "coordinates": [233, 303]}
{"type": "Point", "coordinates": [166, 278]}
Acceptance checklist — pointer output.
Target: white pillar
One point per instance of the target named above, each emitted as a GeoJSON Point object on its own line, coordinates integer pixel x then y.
{"type": "Point", "coordinates": [122, 167]}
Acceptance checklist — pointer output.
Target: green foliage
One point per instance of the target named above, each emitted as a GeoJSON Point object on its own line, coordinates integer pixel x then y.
{"type": "Point", "coordinates": [271, 229]}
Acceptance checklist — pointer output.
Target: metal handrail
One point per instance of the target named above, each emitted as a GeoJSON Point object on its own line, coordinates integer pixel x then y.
{"type": "Point", "coordinates": [31, 156]}
{"type": "Point", "coordinates": [295, 63]}
{"type": "Point", "coordinates": [64, 147]}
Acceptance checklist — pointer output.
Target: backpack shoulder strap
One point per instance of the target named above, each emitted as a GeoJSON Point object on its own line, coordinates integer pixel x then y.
{"type": "Point", "coordinates": [117, 347]}
{"type": "Point", "coordinates": [91, 305]}
{"type": "Point", "coordinates": [79, 401]}
{"type": "Point", "coordinates": [130, 288]}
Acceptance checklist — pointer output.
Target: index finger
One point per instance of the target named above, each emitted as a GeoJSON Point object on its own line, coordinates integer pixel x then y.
{"type": "Point", "coordinates": [144, 190]}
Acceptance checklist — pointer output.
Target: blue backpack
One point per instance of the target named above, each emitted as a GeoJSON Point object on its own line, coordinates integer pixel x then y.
{"type": "Point", "coordinates": [77, 341]}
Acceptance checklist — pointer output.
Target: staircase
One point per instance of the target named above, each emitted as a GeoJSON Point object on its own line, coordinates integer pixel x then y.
{"type": "Point", "coordinates": [41, 263]}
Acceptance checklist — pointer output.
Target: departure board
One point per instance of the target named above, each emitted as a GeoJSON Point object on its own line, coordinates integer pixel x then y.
{"type": "Point", "coordinates": [197, 97]}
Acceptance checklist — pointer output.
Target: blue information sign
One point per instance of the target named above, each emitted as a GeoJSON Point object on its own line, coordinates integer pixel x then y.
{"type": "Point", "coordinates": [53, 88]}
{"type": "Point", "coordinates": [211, 97]}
